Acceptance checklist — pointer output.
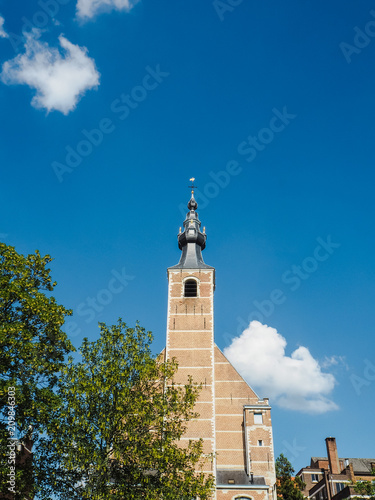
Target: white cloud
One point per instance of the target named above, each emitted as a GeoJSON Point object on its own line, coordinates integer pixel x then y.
{"type": "Point", "coordinates": [3, 33]}
{"type": "Point", "coordinates": [339, 361]}
{"type": "Point", "coordinates": [87, 9]}
{"type": "Point", "coordinates": [59, 77]}
{"type": "Point", "coordinates": [294, 382]}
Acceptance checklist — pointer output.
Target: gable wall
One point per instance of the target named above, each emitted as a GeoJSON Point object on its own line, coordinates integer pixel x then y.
{"type": "Point", "coordinates": [231, 394]}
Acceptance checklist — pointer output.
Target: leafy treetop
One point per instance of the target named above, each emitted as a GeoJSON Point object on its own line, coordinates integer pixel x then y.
{"type": "Point", "coordinates": [32, 343]}
{"type": "Point", "coordinates": [288, 487]}
{"type": "Point", "coordinates": [116, 433]}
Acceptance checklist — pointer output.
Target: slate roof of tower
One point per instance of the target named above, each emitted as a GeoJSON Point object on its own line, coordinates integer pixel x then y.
{"type": "Point", "coordinates": [192, 240]}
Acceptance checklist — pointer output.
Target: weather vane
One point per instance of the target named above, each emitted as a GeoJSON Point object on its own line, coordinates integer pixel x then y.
{"type": "Point", "coordinates": [192, 184]}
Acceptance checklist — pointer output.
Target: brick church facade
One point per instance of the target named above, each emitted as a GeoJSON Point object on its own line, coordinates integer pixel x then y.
{"type": "Point", "coordinates": [233, 422]}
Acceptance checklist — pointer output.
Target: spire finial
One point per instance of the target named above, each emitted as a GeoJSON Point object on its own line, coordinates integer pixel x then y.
{"type": "Point", "coordinates": [192, 205]}
{"type": "Point", "coordinates": [192, 185]}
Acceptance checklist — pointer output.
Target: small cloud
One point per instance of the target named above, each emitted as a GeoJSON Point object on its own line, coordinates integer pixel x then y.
{"type": "Point", "coordinates": [294, 382]}
{"type": "Point", "coordinates": [60, 78]}
{"type": "Point", "coordinates": [3, 33]}
{"type": "Point", "coordinates": [334, 361]}
{"type": "Point", "coordinates": [86, 9]}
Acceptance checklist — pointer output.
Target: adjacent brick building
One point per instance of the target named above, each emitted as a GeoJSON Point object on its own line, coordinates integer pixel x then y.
{"type": "Point", "coordinates": [234, 423]}
{"type": "Point", "coordinates": [331, 477]}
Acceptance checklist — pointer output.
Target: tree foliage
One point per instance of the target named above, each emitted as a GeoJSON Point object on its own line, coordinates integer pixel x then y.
{"type": "Point", "coordinates": [32, 350]}
{"type": "Point", "coordinates": [366, 488]}
{"type": "Point", "coordinates": [288, 487]}
{"type": "Point", "coordinates": [116, 434]}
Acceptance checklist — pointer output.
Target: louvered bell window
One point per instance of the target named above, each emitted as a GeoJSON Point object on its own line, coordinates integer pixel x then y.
{"type": "Point", "coordinates": [190, 288]}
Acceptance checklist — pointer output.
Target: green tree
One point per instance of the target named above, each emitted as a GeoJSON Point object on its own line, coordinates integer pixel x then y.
{"type": "Point", "coordinates": [116, 433]}
{"type": "Point", "coordinates": [288, 487]}
{"type": "Point", "coordinates": [366, 488]}
{"type": "Point", "coordinates": [32, 351]}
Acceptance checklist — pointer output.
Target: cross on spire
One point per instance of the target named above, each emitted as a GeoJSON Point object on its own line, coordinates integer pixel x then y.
{"type": "Point", "coordinates": [192, 184]}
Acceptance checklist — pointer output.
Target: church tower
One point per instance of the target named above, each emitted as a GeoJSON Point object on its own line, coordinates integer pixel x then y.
{"type": "Point", "coordinates": [190, 326]}
{"type": "Point", "coordinates": [234, 423]}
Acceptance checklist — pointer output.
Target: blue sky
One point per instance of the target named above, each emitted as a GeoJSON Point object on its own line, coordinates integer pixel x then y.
{"type": "Point", "coordinates": [106, 114]}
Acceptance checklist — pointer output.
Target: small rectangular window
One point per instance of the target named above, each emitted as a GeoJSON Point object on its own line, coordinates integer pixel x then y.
{"type": "Point", "coordinates": [260, 442]}
{"type": "Point", "coordinates": [258, 418]}
{"type": "Point", "coordinates": [339, 487]}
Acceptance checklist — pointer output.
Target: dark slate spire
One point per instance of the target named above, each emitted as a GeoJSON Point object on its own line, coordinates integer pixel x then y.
{"type": "Point", "coordinates": [191, 240]}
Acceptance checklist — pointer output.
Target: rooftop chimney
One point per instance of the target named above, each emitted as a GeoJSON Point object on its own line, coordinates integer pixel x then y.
{"type": "Point", "coordinates": [351, 473]}
{"type": "Point", "coordinates": [333, 458]}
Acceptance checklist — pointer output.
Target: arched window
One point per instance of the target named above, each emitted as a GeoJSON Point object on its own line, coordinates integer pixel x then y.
{"type": "Point", "coordinates": [242, 498]}
{"type": "Point", "coordinates": [190, 289]}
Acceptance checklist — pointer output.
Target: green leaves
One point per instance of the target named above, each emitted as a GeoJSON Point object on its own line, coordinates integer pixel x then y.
{"type": "Point", "coordinates": [32, 347]}
{"type": "Point", "coordinates": [365, 488]}
{"type": "Point", "coordinates": [116, 434]}
{"type": "Point", "coordinates": [288, 487]}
